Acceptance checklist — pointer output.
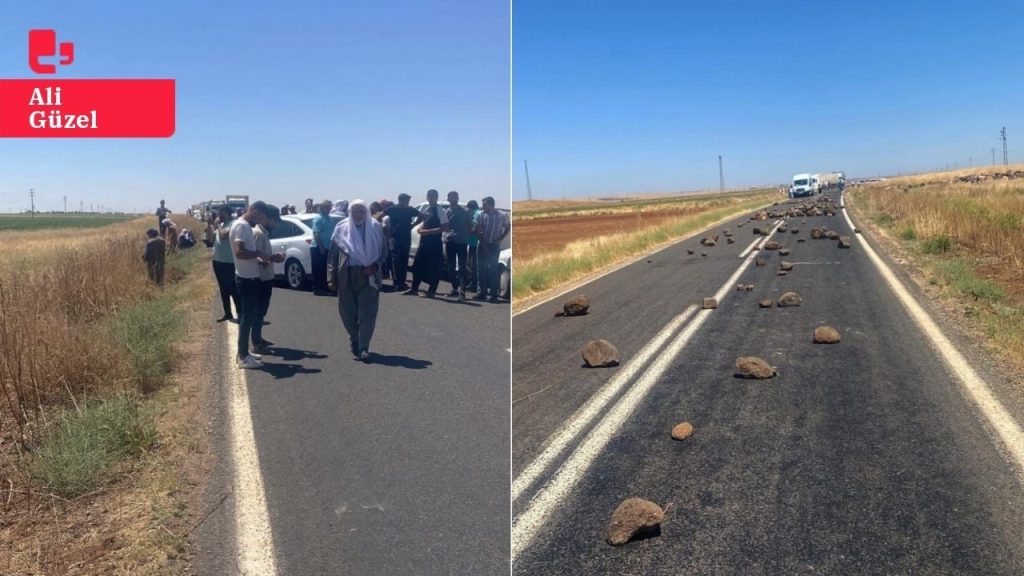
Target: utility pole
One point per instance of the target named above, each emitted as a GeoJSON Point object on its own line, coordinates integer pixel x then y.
{"type": "Point", "coordinates": [32, 198]}
{"type": "Point", "coordinates": [721, 175]}
{"type": "Point", "coordinates": [529, 191]}
{"type": "Point", "coordinates": [1002, 134]}
{"type": "Point", "coordinates": [65, 204]}
{"type": "Point", "coordinates": [81, 206]}
{"type": "Point", "coordinates": [993, 155]}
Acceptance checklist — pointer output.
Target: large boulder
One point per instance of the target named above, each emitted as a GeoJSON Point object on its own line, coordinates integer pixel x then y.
{"type": "Point", "coordinates": [844, 242]}
{"type": "Point", "coordinates": [826, 335]}
{"type": "Point", "coordinates": [789, 299]}
{"type": "Point", "coordinates": [682, 431]}
{"type": "Point", "coordinates": [772, 245]}
{"type": "Point", "coordinates": [633, 516]}
{"type": "Point", "coordinates": [600, 353]}
{"type": "Point", "coordinates": [575, 306]}
{"type": "Point", "coordinates": [754, 368]}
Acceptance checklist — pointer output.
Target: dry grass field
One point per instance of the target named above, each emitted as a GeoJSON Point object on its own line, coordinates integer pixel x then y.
{"type": "Point", "coordinates": [965, 230]}
{"type": "Point", "coordinates": [554, 245]}
{"type": "Point", "coordinates": [88, 347]}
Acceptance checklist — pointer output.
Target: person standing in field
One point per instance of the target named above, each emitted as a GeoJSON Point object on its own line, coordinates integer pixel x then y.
{"type": "Point", "coordinates": [354, 269]}
{"type": "Point", "coordinates": [161, 214]}
{"type": "Point", "coordinates": [266, 287]}
{"type": "Point", "coordinates": [429, 257]}
{"type": "Point", "coordinates": [209, 230]}
{"type": "Point", "coordinates": [247, 278]}
{"type": "Point", "coordinates": [457, 240]}
{"type": "Point", "coordinates": [224, 263]}
{"type": "Point", "coordinates": [323, 229]}
{"type": "Point", "coordinates": [154, 256]}
{"type": "Point", "coordinates": [492, 227]}
{"type": "Point", "coordinates": [400, 219]}
{"type": "Point", "coordinates": [472, 269]}
{"type": "Point", "coordinates": [171, 236]}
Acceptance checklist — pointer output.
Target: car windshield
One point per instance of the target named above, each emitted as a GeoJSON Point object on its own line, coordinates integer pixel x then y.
{"type": "Point", "coordinates": [799, 182]}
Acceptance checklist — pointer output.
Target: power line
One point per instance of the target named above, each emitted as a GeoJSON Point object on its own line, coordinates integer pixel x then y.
{"type": "Point", "coordinates": [1002, 135]}
{"type": "Point", "coordinates": [721, 175]}
{"type": "Point", "coordinates": [32, 198]}
{"type": "Point", "coordinates": [529, 191]}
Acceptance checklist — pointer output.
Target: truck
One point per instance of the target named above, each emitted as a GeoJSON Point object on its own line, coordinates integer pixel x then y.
{"type": "Point", "coordinates": [237, 202]}
{"type": "Point", "coordinates": [803, 185]}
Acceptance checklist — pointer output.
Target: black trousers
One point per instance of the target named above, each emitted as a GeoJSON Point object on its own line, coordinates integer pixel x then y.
{"type": "Point", "coordinates": [426, 266]}
{"type": "Point", "coordinates": [225, 274]}
{"type": "Point", "coordinates": [266, 288]}
{"type": "Point", "coordinates": [458, 266]}
{"type": "Point", "coordinates": [319, 261]}
{"type": "Point", "coordinates": [473, 269]}
{"type": "Point", "coordinates": [400, 261]}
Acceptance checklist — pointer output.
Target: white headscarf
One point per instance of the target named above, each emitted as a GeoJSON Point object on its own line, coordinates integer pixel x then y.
{"type": "Point", "coordinates": [363, 246]}
{"type": "Point", "coordinates": [340, 209]}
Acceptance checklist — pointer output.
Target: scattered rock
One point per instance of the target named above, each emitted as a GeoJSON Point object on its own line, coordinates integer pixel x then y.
{"type": "Point", "coordinates": [817, 233]}
{"type": "Point", "coordinates": [787, 266]}
{"type": "Point", "coordinates": [600, 353]}
{"type": "Point", "coordinates": [730, 240]}
{"type": "Point", "coordinates": [844, 242]}
{"type": "Point", "coordinates": [789, 299]}
{"type": "Point", "coordinates": [760, 262]}
{"type": "Point", "coordinates": [704, 254]}
{"type": "Point", "coordinates": [682, 431]}
{"type": "Point", "coordinates": [801, 240]}
{"type": "Point", "coordinates": [741, 287]}
{"type": "Point", "coordinates": [794, 231]}
{"type": "Point", "coordinates": [781, 273]}
{"type": "Point", "coordinates": [710, 303]}
{"type": "Point", "coordinates": [690, 252]}
{"type": "Point", "coordinates": [750, 287]}
{"type": "Point", "coordinates": [782, 228]}
{"type": "Point", "coordinates": [826, 335]}
{"type": "Point", "coordinates": [832, 235]}
{"type": "Point", "coordinates": [707, 242]}
{"type": "Point", "coordinates": [633, 516]}
{"type": "Point", "coordinates": [753, 367]}
{"type": "Point", "coordinates": [856, 230]}
{"type": "Point", "coordinates": [648, 260]}
{"type": "Point", "coordinates": [766, 303]}
{"type": "Point", "coordinates": [575, 306]}
{"type": "Point", "coordinates": [784, 252]}
{"type": "Point", "coordinates": [757, 231]}
{"type": "Point", "coordinates": [772, 245]}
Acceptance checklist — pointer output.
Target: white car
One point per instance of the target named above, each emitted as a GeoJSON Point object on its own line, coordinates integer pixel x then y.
{"type": "Point", "coordinates": [293, 235]}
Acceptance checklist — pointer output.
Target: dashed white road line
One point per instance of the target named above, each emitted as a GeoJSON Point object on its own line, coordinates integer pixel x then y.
{"type": "Point", "coordinates": [974, 387]}
{"type": "Point", "coordinates": [254, 541]}
{"type": "Point", "coordinates": [526, 525]}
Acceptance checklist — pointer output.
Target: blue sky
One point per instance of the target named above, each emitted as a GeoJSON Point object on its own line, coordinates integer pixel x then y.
{"type": "Point", "coordinates": [623, 97]}
{"type": "Point", "coordinates": [280, 100]}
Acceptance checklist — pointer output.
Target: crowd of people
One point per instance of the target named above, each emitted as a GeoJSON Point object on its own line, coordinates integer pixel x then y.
{"type": "Point", "coordinates": [355, 247]}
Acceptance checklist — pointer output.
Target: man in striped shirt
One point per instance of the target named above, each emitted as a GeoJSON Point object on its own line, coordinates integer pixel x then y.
{"type": "Point", "coordinates": [491, 228]}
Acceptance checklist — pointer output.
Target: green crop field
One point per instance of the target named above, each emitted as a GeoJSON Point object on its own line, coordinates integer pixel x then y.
{"type": "Point", "coordinates": [25, 222]}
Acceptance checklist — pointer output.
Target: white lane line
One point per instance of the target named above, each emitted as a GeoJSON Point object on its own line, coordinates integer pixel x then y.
{"type": "Point", "coordinates": [526, 525]}
{"type": "Point", "coordinates": [973, 386]}
{"type": "Point", "coordinates": [254, 541]}
{"type": "Point", "coordinates": [576, 423]}
{"type": "Point", "coordinates": [757, 240]}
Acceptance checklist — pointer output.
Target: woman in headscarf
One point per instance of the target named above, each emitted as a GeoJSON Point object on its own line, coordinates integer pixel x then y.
{"type": "Point", "coordinates": [354, 270]}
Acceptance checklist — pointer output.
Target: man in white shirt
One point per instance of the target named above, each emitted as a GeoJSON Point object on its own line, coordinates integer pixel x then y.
{"type": "Point", "coordinates": [262, 235]}
{"type": "Point", "coordinates": [247, 277]}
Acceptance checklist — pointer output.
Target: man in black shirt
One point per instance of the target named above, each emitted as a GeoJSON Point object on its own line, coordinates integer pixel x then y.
{"type": "Point", "coordinates": [401, 217]}
{"type": "Point", "coordinates": [161, 215]}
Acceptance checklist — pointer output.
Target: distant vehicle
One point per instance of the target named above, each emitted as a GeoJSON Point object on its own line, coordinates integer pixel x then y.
{"type": "Point", "coordinates": [294, 236]}
{"type": "Point", "coordinates": [237, 202]}
{"type": "Point", "coordinates": [803, 185]}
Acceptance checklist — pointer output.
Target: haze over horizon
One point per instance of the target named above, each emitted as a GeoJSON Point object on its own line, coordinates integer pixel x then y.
{"type": "Point", "coordinates": [278, 101]}
{"type": "Point", "coordinates": [626, 101]}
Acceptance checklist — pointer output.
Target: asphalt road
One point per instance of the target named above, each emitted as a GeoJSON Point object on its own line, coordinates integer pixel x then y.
{"type": "Point", "coordinates": [396, 466]}
{"type": "Point", "coordinates": [862, 457]}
